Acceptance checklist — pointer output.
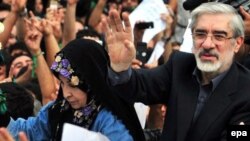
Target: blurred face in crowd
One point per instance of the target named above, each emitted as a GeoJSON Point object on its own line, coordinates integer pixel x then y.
{"type": "Point", "coordinates": [7, 1]}
{"type": "Point", "coordinates": [18, 51]}
{"type": "Point", "coordinates": [4, 14]}
{"type": "Point", "coordinates": [129, 3]}
{"type": "Point", "coordinates": [79, 26]}
{"type": "Point", "coordinates": [75, 96]}
{"type": "Point", "coordinates": [18, 64]}
{"type": "Point", "coordinates": [39, 6]}
{"type": "Point", "coordinates": [12, 39]}
{"type": "Point", "coordinates": [214, 44]}
{"type": "Point", "coordinates": [2, 72]}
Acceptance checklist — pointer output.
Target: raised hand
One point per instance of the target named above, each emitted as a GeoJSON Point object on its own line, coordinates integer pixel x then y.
{"type": "Point", "coordinates": [119, 40]}
{"type": "Point", "coordinates": [54, 18]}
{"type": "Point", "coordinates": [246, 17]}
{"type": "Point", "coordinates": [72, 2]}
{"type": "Point", "coordinates": [6, 136]}
{"type": "Point", "coordinates": [33, 36]}
{"type": "Point", "coordinates": [18, 5]}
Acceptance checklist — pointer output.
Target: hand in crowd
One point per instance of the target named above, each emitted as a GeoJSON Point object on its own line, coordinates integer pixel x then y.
{"type": "Point", "coordinates": [152, 65]}
{"type": "Point", "coordinates": [5, 135]}
{"type": "Point", "coordinates": [138, 33]}
{"type": "Point", "coordinates": [43, 25]}
{"type": "Point", "coordinates": [46, 27]}
{"type": "Point", "coordinates": [18, 6]}
{"type": "Point", "coordinates": [55, 18]}
{"type": "Point", "coordinates": [70, 2]}
{"type": "Point", "coordinates": [33, 36]}
{"type": "Point", "coordinates": [136, 64]}
{"type": "Point", "coordinates": [246, 18]}
{"type": "Point", "coordinates": [119, 40]}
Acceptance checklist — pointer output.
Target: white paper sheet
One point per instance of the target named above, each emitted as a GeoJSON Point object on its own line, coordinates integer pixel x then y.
{"type": "Point", "coordinates": [187, 44]}
{"type": "Point", "coordinates": [157, 52]}
{"type": "Point", "coordinates": [142, 113]}
{"type": "Point", "coordinates": [149, 10]}
{"type": "Point", "coordinates": [75, 133]}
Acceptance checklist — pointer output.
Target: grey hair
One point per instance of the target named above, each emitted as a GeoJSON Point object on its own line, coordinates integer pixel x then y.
{"type": "Point", "coordinates": [236, 22]}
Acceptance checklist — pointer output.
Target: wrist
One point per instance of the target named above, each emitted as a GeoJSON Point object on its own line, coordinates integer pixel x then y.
{"type": "Point", "coordinates": [46, 35]}
{"type": "Point", "coordinates": [101, 3]}
{"type": "Point", "coordinates": [37, 53]}
{"type": "Point", "coordinates": [119, 67]}
{"type": "Point", "coordinates": [23, 13]}
{"type": "Point", "coordinates": [72, 4]}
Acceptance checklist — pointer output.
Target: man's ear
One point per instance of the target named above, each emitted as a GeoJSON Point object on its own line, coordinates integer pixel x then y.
{"type": "Point", "coordinates": [238, 44]}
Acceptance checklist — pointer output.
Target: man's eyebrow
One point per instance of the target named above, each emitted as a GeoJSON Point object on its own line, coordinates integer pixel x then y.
{"type": "Point", "coordinates": [220, 32]}
{"type": "Point", "coordinates": [200, 30]}
{"type": "Point", "coordinates": [214, 32]}
{"type": "Point", "coordinates": [19, 63]}
{"type": "Point", "coordinates": [28, 61]}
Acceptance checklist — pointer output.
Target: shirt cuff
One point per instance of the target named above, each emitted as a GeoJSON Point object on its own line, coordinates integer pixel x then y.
{"type": "Point", "coordinates": [120, 77]}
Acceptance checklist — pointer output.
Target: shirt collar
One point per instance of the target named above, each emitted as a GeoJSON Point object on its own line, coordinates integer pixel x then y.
{"type": "Point", "coordinates": [215, 81]}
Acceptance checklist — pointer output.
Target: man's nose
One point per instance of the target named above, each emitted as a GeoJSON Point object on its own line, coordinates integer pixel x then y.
{"type": "Point", "coordinates": [208, 42]}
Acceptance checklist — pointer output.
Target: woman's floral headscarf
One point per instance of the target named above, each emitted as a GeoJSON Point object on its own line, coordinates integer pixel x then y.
{"type": "Point", "coordinates": [85, 63]}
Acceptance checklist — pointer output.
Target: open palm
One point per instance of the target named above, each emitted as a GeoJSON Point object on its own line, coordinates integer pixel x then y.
{"type": "Point", "coordinates": [119, 40]}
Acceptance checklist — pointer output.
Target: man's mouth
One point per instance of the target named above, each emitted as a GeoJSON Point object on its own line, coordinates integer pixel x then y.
{"type": "Point", "coordinates": [208, 57]}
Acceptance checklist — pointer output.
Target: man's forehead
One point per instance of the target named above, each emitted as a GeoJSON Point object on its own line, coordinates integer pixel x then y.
{"type": "Point", "coordinates": [22, 59]}
{"type": "Point", "coordinates": [209, 23]}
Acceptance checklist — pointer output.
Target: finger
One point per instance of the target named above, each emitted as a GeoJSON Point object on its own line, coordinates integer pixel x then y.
{"type": "Point", "coordinates": [135, 67]}
{"type": "Point", "coordinates": [109, 31]}
{"type": "Point", "coordinates": [120, 8]}
{"type": "Point", "coordinates": [27, 24]}
{"type": "Point", "coordinates": [113, 18]}
{"type": "Point", "coordinates": [136, 61]}
{"type": "Point", "coordinates": [22, 136]}
{"type": "Point", "coordinates": [245, 14]}
{"type": "Point", "coordinates": [127, 24]}
{"type": "Point", "coordinates": [31, 14]}
{"type": "Point", "coordinates": [148, 66]}
{"type": "Point", "coordinates": [32, 19]}
{"type": "Point", "coordinates": [118, 21]}
{"type": "Point", "coordinates": [5, 134]}
{"type": "Point", "coordinates": [128, 44]}
{"type": "Point", "coordinates": [131, 48]}
{"type": "Point", "coordinates": [13, 2]}
{"type": "Point", "coordinates": [105, 27]}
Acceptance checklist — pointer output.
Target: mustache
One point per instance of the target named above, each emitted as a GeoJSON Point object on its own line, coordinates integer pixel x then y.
{"type": "Point", "coordinates": [208, 52]}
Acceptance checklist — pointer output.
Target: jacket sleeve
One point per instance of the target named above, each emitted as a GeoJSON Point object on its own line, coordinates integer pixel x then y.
{"type": "Point", "coordinates": [36, 128]}
{"type": "Point", "coordinates": [149, 86]}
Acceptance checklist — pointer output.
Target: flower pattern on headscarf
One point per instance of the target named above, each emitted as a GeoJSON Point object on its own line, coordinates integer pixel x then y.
{"type": "Point", "coordinates": [63, 67]}
{"type": "Point", "coordinates": [85, 115]}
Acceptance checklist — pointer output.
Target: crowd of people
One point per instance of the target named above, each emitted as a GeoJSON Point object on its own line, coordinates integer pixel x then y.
{"type": "Point", "coordinates": [76, 62]}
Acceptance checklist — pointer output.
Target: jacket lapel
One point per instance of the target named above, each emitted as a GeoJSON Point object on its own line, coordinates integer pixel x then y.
{"type": "Point", "coordinates": [216, 104]}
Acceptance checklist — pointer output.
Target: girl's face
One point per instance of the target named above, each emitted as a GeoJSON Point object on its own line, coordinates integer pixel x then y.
{"type": "Point", "coordinates": [75, 96]}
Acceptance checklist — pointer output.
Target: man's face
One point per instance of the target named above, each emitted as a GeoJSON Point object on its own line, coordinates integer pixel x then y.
{"type": "Point", "coordinates": [214, 44]}
{"type": "Point", "coordinates": [129, 3]}
{"type": "Point", "coordinates": [18, 64]}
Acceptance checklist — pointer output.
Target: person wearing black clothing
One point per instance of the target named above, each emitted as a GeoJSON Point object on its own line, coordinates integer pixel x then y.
{"type": "Point", "coordinates": [205, 92]}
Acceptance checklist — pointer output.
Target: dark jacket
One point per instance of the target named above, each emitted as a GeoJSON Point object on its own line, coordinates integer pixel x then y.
{"type": "Point", "coordinates": [173, 84]}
